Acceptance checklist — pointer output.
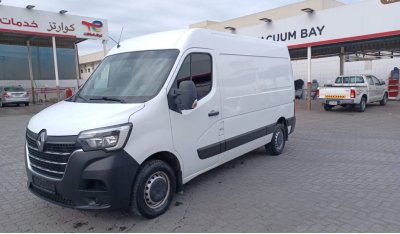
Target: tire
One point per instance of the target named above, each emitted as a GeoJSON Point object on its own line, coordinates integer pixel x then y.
{"type": "Point", "coordinates": [277, 144]}
{"type": "Point", "coordinates": [153, 189]}
{"type": "Point", "coordinates": [362, 105]}
{"type": "Point", "coordinates": [1, 103]}
{"type": "Point", "coordinates": [327, 107]}
{"type": "Point", "coordinates": [26, 103]}
{"type": "Point", "coordinates": [384, 100]}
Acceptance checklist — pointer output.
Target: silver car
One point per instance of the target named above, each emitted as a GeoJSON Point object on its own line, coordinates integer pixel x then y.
{"type": "Point", "coordinates": [13, 95]}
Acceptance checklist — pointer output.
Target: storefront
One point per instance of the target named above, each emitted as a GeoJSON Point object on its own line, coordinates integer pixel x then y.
{"type": "Point", "coordinates": [327, 38]}
{"type": "Point", "coordinates": [38, 49]}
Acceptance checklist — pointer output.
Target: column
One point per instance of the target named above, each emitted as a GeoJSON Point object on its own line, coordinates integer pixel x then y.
{"type": "Point", "coordinates": [309, 78]}
{"type": "Point", "coordinates": [56, 66]}
{"type": "Point", "coordinates": [28, 45]}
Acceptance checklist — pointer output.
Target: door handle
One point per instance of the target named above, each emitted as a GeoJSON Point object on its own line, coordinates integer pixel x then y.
{"type": "Point", "coordinates": [213, 113]}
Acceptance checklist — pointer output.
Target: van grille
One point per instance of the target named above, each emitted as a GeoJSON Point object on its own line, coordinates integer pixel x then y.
{"type": "Point", "coordinates": [53, 161]}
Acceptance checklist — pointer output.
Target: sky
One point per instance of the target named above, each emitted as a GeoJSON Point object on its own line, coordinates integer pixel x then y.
{"type": "Point", "coordinates": [139, 17]}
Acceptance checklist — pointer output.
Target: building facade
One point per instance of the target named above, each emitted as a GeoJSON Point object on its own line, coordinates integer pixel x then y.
{"type": "Point", "coordinates": [343, 39]}
{"type": "Point", "coordinates": [38, 49]}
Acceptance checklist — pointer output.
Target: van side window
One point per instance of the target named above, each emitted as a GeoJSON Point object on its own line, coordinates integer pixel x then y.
{"type": "Point", "coordinates": [197, 67]}
{"type": "Point", "coordinates": [338, 80]}
{"type": "Point", "coordinates": [346, 80]}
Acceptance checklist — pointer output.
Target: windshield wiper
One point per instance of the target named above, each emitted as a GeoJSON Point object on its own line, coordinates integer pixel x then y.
{"type": "Point", "coordinates": [79, 96]}
{"type": "Point", "coordinates": [108, 99]}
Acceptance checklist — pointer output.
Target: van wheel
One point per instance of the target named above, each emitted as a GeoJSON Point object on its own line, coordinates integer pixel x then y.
{"type": "Point", "coordinates": [362, 105]}
{"type": "Point", "coordinates": [26, 103]}
{"type": "Point", "coordinates": [277, 144]}
{"type": "Point", "coordinates": [154, 189]}
{"type": "Point", "coordinates": [1, 103]}
{"type": "Point", "coordinates": [327, 107]}
{"type": "Point", "coordinates": [384, 100]}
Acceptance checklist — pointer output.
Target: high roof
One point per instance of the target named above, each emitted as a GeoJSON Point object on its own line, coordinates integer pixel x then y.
{"type": "Point", "coordinates": [199, 38]}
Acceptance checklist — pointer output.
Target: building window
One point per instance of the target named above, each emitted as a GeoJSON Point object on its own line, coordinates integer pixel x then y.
{"type": "Point", "coordinates": [81, 70]}
{"type": "Point", "coordinates": [88, 70]}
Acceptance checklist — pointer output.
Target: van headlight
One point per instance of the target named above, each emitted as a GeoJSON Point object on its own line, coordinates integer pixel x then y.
{"type": "Point", "coordinates": [109, 138]}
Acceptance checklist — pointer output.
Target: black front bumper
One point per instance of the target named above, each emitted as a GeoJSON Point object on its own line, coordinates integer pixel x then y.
{"type": "Point", "coordinates": [92, 180]}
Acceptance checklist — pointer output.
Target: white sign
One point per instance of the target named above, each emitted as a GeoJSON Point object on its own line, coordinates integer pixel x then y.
{"type": "Point", "coordinates": [31, 21]}
{"type": "Point", "coordinates": [364, 20]}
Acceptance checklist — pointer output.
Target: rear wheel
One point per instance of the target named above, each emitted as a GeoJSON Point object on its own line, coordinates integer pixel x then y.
{"type": "Point", "coordinates": [26, 103]}
{"type": "Point", "coordinates": [154, 189]}
{"type": "Point", "coordinates": [327, 107]}
{"type": "Point", "coordinates": [384, 100]}
{"type": "Point", "coordinates": [1, 103]}
{"type": "Point", "coordinates": [277, 144]}
{"type": "Point", "coordinates": [362, 105]}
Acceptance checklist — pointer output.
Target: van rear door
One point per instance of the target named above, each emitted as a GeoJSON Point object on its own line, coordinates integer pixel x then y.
{"type": "Point", "coordinates": [196, 132]}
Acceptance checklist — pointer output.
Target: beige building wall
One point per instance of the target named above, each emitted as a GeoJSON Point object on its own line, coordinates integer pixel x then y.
{"type": "Point", "coordinates": [273, 14]}
{"type": "Point", "coordinates": [89, 62]}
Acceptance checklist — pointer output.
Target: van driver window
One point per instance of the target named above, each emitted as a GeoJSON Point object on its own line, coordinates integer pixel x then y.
{"type": "Point", "coordinates": [197, 67]}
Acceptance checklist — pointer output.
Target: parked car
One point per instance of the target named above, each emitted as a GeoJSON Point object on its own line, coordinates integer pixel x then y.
{"type": "Point", "coordinates": [13, 95]}
{"type": "Point", "coordinates": [355, 90]}
{"type": "Point", "coordinates": [158, 111]}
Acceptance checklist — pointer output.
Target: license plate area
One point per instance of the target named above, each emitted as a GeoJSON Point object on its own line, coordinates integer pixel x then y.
{"type": "Point", "coordinates": [333, 102]}
{"type": "Point", "coordinates": [43, 184]}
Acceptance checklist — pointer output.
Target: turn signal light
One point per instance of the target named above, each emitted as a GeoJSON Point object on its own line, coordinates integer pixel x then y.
{"type": "Point", "coordinates": [317, 93]}
{"type": "Point", "coordinates": [352, 93]}
{"type": "Point", "coordinates": [6, 94]}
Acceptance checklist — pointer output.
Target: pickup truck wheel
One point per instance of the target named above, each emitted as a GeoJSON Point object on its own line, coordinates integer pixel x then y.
{"type": "Point", "coordinates": [277, 144]}
{"type": "Point", "coordinates": [327, 107]}
{"type": "Point", "coordinates": [362, 105]}
{"type": "Point", "coordinates": [384, 100]}
{"type": "Point", "coordinates": [154, 189]}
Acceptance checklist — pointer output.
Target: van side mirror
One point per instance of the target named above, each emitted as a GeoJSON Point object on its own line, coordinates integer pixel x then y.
{"type": "Point", "coordinates": [186, 95]}
{"type": "Point", "coordinates": [383, 82]}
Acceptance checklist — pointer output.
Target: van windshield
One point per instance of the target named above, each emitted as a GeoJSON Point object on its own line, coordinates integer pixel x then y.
{"type": "Point", "coordinates": [133, 77]}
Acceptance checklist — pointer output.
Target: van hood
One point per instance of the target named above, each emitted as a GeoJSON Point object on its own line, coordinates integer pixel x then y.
{"type": "Point", "coordinates": [70, 118]}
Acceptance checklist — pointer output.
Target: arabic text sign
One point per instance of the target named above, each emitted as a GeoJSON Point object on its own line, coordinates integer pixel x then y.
{"type": "Point", "coordinates": [14, 19]}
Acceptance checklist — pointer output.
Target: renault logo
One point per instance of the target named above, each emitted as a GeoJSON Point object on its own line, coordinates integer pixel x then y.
{"type": "Point", "coordinates": [41, 140]}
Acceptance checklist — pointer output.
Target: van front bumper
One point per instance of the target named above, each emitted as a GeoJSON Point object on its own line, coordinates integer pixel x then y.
{"type": "Point", "coordinates": [92, 181]}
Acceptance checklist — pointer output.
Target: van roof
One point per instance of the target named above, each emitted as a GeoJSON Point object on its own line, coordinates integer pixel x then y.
{"type": "Point", "coordinates": [200, 38]}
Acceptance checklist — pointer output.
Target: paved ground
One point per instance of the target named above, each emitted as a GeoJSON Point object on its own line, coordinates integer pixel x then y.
{"type": "Point", "coordinates": [340, 173]}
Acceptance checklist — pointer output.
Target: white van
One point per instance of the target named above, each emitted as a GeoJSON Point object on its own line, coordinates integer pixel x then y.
{"type": "Point", "coordinates": [158, 111]}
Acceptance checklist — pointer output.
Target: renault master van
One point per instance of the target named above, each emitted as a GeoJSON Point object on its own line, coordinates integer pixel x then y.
{"type": "Point", "coordinates": [158, 111]}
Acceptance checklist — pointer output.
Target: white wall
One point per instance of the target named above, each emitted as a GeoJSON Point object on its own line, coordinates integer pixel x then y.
{"type": "Point", "coordinates": [325, 69]}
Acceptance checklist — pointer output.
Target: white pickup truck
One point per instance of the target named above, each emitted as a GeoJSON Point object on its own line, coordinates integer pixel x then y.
{"type": "Point", "coordinates": [354, 90]}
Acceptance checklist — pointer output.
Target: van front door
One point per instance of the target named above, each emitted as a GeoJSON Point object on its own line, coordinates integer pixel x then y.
{"type": "Point", "coordinates": [197, 132]}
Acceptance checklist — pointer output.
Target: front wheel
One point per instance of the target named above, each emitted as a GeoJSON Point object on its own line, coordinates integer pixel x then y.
{"type": "Point", "coordinates": [154, 189]}
{"type": "Point", "coordinates": [384, 100]}
{"type": "Point", "coordinates": [277, 144]}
